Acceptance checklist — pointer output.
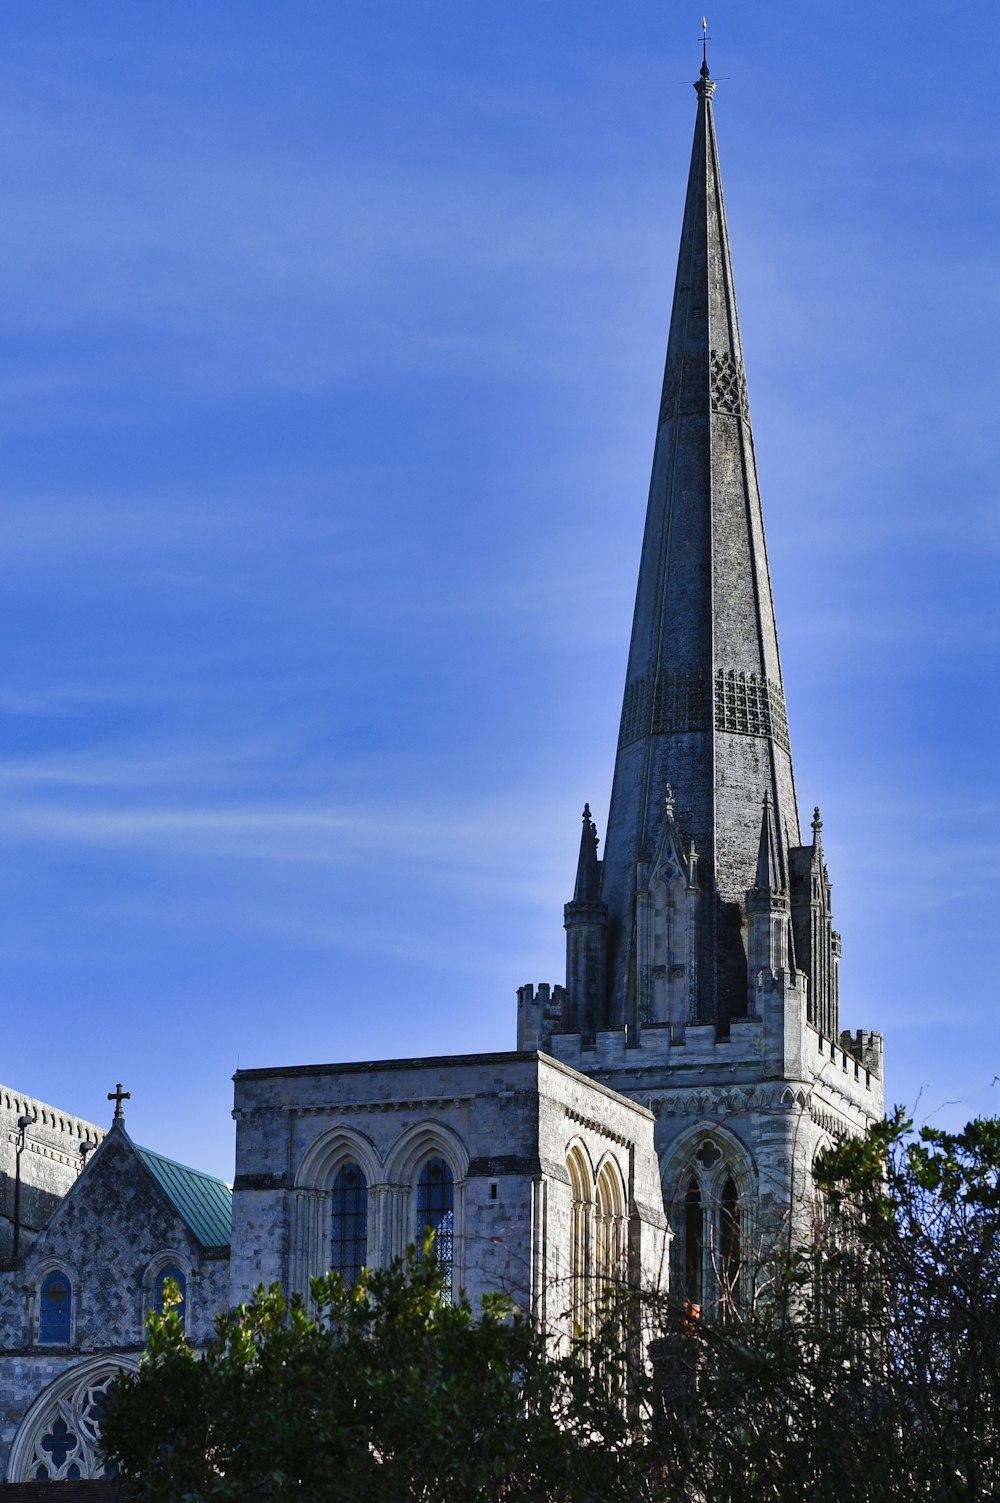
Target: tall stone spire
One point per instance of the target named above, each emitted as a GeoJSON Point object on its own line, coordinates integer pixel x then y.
{"type": "Point", "coordinates": [704, 709]}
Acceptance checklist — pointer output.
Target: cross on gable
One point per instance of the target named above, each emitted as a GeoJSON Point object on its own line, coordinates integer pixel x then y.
{"type": "Point", "coordinates": [118, 1096]}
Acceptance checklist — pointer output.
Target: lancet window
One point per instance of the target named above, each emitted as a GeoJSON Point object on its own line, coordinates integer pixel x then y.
{"type": "Point", "coordinates": [611, 1228]}
{"type": "Point", "coordinates": [349, 1226]}
{"type": "Point", "coordinates": [581, 1241]}
{"type": "Point", "coordinates": [436, 1209]}
{"type": "Point", "coordinates": [171, 1271]}
{"type": "Point", "coordinates": [694, 1244]}
{"type": "Point", "coordinates": [55, 1309]}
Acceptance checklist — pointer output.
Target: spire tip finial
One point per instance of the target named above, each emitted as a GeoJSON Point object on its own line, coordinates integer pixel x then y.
{"type": "Point", "coordinates": [704, 86]}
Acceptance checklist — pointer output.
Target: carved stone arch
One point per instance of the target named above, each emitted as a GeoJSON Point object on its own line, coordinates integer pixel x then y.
{"type": "Point", "coordinates": [333, 1148]}
{"type": "Point", "coordinates": [65, 1415]}
{"type": "Point", "coordinates": [49, 1263]}
{"type": "Point", "coordinates": [310, 1250]}
{"type": "Point", "coordinates": [682, 1153]}
{"type": "Point", "coordinates": [170, 1257]}
{"type": "Point", "coordinates": [580, 1166]}
{"type": "Point", "coordinates": [609, 1174]}
{"type": "Point", "coordinates": [611, 1212]}
{"type": "Point", "coordinates": [700, 1171]}
{"type": "Point", "coordinates": [429, 1139]}
{"type": "Point", "coordinates": [582, 1234]}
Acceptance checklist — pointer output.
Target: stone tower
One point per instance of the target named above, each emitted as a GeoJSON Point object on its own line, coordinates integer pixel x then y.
{"type": "Point", "coordinates": [701, 955]}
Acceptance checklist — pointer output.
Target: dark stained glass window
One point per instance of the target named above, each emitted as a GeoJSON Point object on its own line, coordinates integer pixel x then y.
{"type": "Point", "coordinates": [729, 1239]}
{"type": "Point", "coordinates": [349, 1231]}
{"type": "Point", "coordinates": [436, 1209]}
{"type": "Point", "coordinates": [171, 1272]}
{"type": "Point", "coordinates": [55, 1308]}
{"type": "Point", "coordinates": [694, 1243]}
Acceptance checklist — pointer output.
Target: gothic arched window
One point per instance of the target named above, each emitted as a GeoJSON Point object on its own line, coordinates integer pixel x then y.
{"type": "Point", "coordinates": [694, 1243]}
{"type": "Point", "coordinates": [710, 1218]}
{"type": "Point", "coordinates": [581, 1241]}
{"type": "Point", "coordinates": [729, 1243]}
{"type": "Point", "coordinates": [55, 1309]}
{"type": "Point", "coordinates": [171, 1271]}
{"type": "Point", "coordinates": [349, 1226]}
{"type": "Point", "coordinates": [436, 1210]}
{"type": "Point", "coordinates": [610, 1206]}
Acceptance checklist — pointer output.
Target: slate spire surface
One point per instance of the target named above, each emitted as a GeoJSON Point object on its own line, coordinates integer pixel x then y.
{"type": "Point", "coordinates": [704, 709]}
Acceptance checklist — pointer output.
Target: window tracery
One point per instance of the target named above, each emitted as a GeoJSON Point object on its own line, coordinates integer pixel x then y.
{"type": "Point", "coordinates": [349, 1222]}
{"type": "Point", "coordinates": [60, 1439]}
{"type": "Point", "coordinates": [436, 1210]}
{"type": "Point", "coordinates": [710, 1211]}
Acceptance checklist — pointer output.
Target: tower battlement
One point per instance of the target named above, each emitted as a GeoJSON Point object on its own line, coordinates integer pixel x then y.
{"type": "Point", "coordinates": [541, 1012]}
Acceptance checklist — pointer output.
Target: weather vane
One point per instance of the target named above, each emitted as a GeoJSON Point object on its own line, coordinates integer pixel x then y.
{"type": "Point", "coordinates": [705, 39]}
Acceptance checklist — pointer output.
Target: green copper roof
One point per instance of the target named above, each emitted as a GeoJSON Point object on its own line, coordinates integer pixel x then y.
{"type": "Point", "coordinates": [204, 1204]}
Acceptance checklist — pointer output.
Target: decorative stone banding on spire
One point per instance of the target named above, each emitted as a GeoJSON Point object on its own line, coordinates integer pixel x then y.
{"type": "Point", "coordinates": [745, 704]}
{"type": "Point", "coordinates": [750, 705]}
{"type": "Point", "coordinates": [684, 389]}
{"type": "Point", "coordinates": [729, 386]}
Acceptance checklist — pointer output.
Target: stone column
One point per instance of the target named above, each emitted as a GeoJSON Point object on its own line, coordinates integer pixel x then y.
{"type": "Point", "coordinates": [309, 1249]}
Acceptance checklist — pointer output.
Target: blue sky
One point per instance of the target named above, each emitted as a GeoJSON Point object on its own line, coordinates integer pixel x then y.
{"type": "Point", "coordinates": [332, 337]}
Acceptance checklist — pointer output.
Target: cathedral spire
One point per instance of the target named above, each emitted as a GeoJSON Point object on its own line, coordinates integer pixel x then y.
{"type": "Point", "coordinates": [704, 706]}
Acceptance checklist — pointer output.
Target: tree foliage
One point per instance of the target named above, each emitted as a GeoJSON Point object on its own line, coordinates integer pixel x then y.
{"type": "Point", "coordinates": [383, 1393]}
{"type": "Point", "coordinates": [873, 1370]}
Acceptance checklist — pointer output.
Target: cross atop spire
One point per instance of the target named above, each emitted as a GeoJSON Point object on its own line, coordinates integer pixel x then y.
{"type": "Point", "coordinates": [704, 88]}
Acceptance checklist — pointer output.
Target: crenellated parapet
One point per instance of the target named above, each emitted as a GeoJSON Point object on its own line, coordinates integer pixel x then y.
{"type": "Point", "coordinates": [865, 1047]}
{"type": "Point", "coordinates": [541, 1012]}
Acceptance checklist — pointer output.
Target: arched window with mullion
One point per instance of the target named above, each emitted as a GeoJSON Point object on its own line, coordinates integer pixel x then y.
{"type": "Point", "coordinates": [349, 1223]}
{"type": "Point", "coordinates": [436, 1211]}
